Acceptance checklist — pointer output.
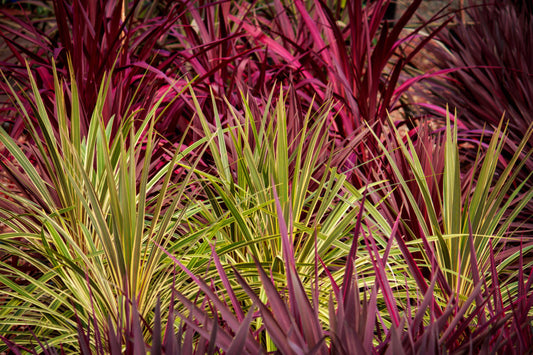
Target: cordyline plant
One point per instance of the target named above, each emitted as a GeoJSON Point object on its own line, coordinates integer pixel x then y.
{"type": "Point", "coordinates": [494, 75]}
{"type": "Point", "coordinates": [134, 42]}
{"type": "Point", "coordinates": [136, 39]}
{"type": "Point", "coordinates": [95, 36]}
{"type": "Point", "coordinates": [349, 49]}
{"type": "Point", "coordinates": [455, 216]}
{"type": "Point", "coordinates": [84, 220]}
{"type": "Point", "coordinates": [491, 48]}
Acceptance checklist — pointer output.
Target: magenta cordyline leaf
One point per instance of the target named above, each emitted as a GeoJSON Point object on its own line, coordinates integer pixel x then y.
{"type": "Point", "coordinates": [169, 339]}
{"type": "Point", "coordinates": [280, 334]}
{"type": "Point", "coordinates": [408, 83]}
{"type": "Point", "coordinates": [212, 341]}
{"type": "Point", "coordinates": [416, 324]}
{"type": "Point", "coordinates": [137, 345]}
{"type": "Point", "coordinates": [389, 101]}
{"type": "Point", "coordinates": [379, 267]}
{"type": "Point", "coordinates": [522, 306]}
{"type": "Point", "coordinates": [307, 316]}
{"type": "Point", "coordinates": [497, 298]}
{"type": "Point", "coordinates": [499, 36]}
{"type": "Point", "coordinates": [223, 339]}
{"type": "Point", "coordinates": [291, 61]}
{"type": "Point", "coordinates": [15, 52]}
{"type": "Point", "coordinates": [370, 322]}
{"type": "Point", "coordinates": [114, 337]}
{"type": "Point", "coordinates": [83, 338]}
{"type": "Point", "coordinates": [403, 20]}
{"type": "Point", "coordinates": [271, 44]}
{"type": "Point", "coordinates": [22, 54]}
{"type": "Point", "coordinates": [348, 273]}
{"type": "Point", "coordinates": [474, 264]}
{"type": "Point", "coordinates": [205, 35]}
{"type": "Point", "coordinates": [227, 285]}
{"type": "Point", "coordinates": [172, 83]}
{"type": "Point", "coordinates": [187, 344]}
{"type": "Point", "coordinates": [16, 349]}
{"type": "Point", "coordinates": [464, 326]}
{"type": "Point", "coordinates": [380, 53]}
{"type": "Point", "coordinates": [336, 288]}
{"type": "Point", "coordinates": [428, 343]}
{"type": "Point", "coordinates": [363, 70]}
{"type": "Point", "coordinates": [458, 316]}
{"type": "Point", "coordinates": [300, 306]}
{"type": "Point", "coordinates": [238, 344]}
{"type": "Point", "coordinates": [355, 12]}
{"type": "Point", "coordinates": [97, 38]}
{"type": "Point", "coordinates": [285, 24]}
{"type": "Point", "coordinates": [311, 25]}
{"type": "Point", "coordinates": [156, 331]}
{"type": "Point", "coordinates": [336, 39]}
{"type": "Point", "coordinates": [223, 63]}
{"type": "Point", "coordinates": [377, 15]}
{"type": "Point", "coordinates": [25, 25]}
{"type": "Point", "coordinates": [395, 345]}
{"type": "Point", "coordinates": [277, 304]}
{"type": "Point", "coordinates": [355, 323]}
{"type": "Point", "coordinates": [62, 24]}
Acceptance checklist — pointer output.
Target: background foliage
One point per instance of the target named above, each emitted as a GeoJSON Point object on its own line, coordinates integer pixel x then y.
{"type": "Point", "coordinates": [235, 176]}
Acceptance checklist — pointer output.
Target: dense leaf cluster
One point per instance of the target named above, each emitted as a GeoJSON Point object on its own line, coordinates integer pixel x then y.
{"type": "Point", "coordinates": [249, 177]}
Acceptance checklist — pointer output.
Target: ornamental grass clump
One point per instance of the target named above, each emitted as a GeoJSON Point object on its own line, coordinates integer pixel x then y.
{"type": "Point", "coordinates": [238, 211]}
{"type": "Point", "coordinates": [453, 216]}
{"type": "Point", "coordinates": [85, 221]}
